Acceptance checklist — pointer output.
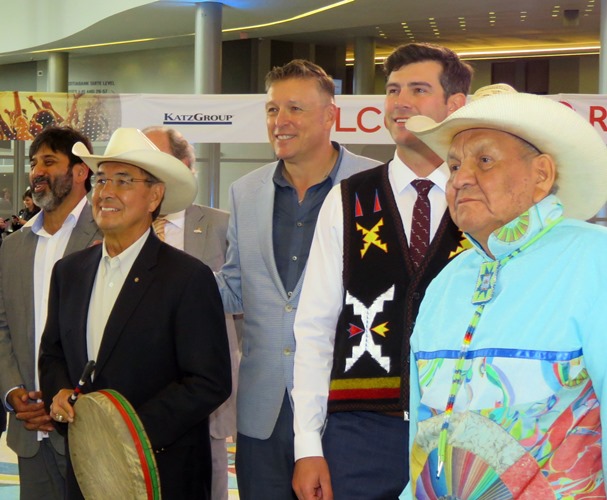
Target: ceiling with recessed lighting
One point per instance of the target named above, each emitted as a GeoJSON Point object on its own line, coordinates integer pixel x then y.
{"type": "Point", "coordinates": [463, 25]}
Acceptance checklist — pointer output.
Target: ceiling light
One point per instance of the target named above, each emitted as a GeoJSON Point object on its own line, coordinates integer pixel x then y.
{"type": "Point", "coordinates": [294, 18]}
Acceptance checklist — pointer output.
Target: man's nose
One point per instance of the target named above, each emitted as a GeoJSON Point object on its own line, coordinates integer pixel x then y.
{"type": "Point", "coordinates": [464, 175]}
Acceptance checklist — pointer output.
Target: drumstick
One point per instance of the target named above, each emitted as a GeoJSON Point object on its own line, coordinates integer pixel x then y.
{"type": "Point", "coordinates": [88, 369]}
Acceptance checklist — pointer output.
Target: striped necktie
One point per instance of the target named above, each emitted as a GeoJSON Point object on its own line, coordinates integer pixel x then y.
{"type": "Point", "coordinates": [158, 226]}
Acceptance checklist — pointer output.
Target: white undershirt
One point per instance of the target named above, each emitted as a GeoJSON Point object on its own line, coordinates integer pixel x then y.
{"type": "Point", "coordinates": [49, 249]}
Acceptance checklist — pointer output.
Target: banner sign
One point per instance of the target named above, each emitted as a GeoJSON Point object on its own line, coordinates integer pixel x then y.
{"type": "Point", "coordinates": [235, 119]}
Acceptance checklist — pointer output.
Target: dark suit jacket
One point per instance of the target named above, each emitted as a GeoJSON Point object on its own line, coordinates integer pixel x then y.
{"type": "Point", "coordinates": [164, 347]}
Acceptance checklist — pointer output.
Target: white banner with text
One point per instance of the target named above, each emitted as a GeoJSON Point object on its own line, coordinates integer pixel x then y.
{"type": "Point", "coordinates": [235, 119]}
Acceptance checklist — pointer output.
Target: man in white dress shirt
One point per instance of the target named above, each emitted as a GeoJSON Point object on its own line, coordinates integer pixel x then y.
{"type": "Point", "coordinates": [201, 232]}
{"type": "Point", "coordinates": [361, 293]}
{"type": "Point", "coordinates": [60, 181]}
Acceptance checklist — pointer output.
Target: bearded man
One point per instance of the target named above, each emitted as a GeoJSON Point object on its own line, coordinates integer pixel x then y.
{"type": "Point", "coordinates": [59, 181]}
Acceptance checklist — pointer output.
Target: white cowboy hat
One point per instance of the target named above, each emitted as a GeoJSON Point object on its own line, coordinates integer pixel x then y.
{"type": "Point", "coordinates": [130, 145]}
{"type": "Point", "coordinates": [553, 128]}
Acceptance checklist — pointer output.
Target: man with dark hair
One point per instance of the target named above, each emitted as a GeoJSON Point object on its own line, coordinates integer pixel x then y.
{"type": "Point", "coordinates": [273, 215]}
{"type": "Point", "coordinates": [455, 76]}
{"type": "Point", "coordinates": [59, 182]}
{"type": "Point", "coordinates": [381, 237]}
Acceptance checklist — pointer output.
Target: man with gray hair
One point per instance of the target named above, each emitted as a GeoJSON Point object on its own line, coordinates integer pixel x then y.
{"type": "Point", "coordinates": [508, 364]}
{"type": "Point", "coordinates": [201, 232]}
{"type": "Point", "coordinates": [171, 141]}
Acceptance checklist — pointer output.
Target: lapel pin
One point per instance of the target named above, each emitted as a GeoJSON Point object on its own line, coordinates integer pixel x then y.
{"type": "Point", "coordinates": [136, 280]}
{"type": "Point", "coordinates": [198, 230]}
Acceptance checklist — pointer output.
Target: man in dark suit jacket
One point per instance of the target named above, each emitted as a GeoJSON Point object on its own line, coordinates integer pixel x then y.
{"type": "Point", "coordinates": [155, 327]}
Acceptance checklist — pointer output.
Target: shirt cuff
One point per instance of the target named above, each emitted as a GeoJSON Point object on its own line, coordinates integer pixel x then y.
{"type": "Point", "coordinates": [308, 444]}
{"type": "Point", "coordinates": [7, 406]}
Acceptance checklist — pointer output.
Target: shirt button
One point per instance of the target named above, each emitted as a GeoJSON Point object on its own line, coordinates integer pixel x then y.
{"type": "Point", "coordinates": [299, 224]}
{"type": "Point", "coordinates": [287, 351]}
{"type": "Point", "coordinates": [289, 308]}
{"type": "Point", "coordinates": [294, 258]}
{"type": "Point", "coordinates": [289, 294]}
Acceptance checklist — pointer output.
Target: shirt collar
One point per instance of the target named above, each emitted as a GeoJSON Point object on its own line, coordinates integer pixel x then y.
{"type": "Point", "coordinates": [403, 175]}
{"type": "Point", "coordinates": [127, 257]}
{"type": "Point", "coordinates": [177, 219]}
{"type": "Point", "coordinates": [37, 221]}
{"type": "Point", "coordinates": [517, 232]}
{"type": "Point", "coordinates": [280, 180]}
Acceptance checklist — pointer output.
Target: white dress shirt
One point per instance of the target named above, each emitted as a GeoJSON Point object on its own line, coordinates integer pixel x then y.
{"type": "Point", "coordinates": [49, 249]}
{"type": "Point", "coordinates": [111, 274]}
{"type": "Point", "coordinates": [322, 298]}
{"type": "Point", "coordinates": [174, 229]}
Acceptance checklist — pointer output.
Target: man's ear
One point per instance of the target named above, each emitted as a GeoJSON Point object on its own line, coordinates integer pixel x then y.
{"type": "Point", "coordinates": [331, 115]}
{"type": "Point", "coordinates": [545, 176]}
{"type": "Point", "coordinates": [80, 171]}
{"type": "Point", "coordinates": [157, 196]}
{"type": "Point", "coordinates": [455, 101]}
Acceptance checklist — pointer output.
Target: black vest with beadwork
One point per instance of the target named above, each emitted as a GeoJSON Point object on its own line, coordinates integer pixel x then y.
{"type": "Point", "coordinates": [382, 294]}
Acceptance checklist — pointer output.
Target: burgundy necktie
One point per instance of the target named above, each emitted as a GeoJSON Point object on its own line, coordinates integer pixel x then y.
{"type": "Point", "coordinates": [420, 221]}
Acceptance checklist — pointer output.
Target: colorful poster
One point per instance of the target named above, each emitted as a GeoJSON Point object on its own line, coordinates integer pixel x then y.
{"type": "Point", "coordinates": [24, 114]}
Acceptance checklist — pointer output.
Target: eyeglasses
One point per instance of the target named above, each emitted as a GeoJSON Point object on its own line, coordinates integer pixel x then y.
{"type": "Point", "coordinates": [121, 183]}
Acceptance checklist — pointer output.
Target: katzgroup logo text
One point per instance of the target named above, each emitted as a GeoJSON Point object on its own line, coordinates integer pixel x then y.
{"type": "Point", "coordinates": [196, 119]}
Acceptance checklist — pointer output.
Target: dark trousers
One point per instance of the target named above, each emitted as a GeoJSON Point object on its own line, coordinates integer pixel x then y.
{"type": "Point", "coordinates": [368, 455]}
{"type": "Point", "coordinates": [264, 467]}
{"type": "Point", "coordinates": [42, 477]}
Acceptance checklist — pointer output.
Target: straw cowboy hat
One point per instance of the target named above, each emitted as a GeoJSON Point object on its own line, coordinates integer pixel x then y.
{"type": "Point", "coordinates": [130, 145]}
{"type": "Point", "coordinates": [553, 128]}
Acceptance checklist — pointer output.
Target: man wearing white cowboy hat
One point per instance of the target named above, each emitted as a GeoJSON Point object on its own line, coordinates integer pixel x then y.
{"type": "Point", "coordinates": [507, 368]}
{"type": "Point", "coordinates": [150, 315]}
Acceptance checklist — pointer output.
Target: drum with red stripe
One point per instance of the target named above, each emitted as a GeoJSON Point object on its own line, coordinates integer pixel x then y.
{"type": "Point", "coordinates": [110, 451]}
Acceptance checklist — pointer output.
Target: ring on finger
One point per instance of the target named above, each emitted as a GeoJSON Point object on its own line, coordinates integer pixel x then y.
{"type": "Point", "coordinates": [58, 417]}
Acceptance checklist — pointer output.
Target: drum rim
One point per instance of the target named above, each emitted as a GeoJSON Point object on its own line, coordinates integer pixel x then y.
{"type": "Point", "coordinates": [135, 427]}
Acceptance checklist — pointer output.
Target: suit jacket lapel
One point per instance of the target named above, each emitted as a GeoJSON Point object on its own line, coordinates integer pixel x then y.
{"type": "Point", "coordinates": [84, 232]}
{"type": "Point", "coordinates": [137, 282]}
{"type": "Point", "coordinates": [265, 216]}
{"type": "Point", "coordinates": [27, 257]}
{"type": "Point", "coordinates": [195, 231]}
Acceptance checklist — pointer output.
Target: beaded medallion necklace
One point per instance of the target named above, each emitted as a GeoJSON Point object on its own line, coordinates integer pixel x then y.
{"type": "Point", "coordinates": [483, 293]}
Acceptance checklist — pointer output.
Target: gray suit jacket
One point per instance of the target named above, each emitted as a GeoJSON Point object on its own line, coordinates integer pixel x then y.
{"type": "Point", "coordinates": [17, 348]}
{"type": "Point", "coordinates": [249, 282]}
{"type": "Point", "coordinates": [205, 238]}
